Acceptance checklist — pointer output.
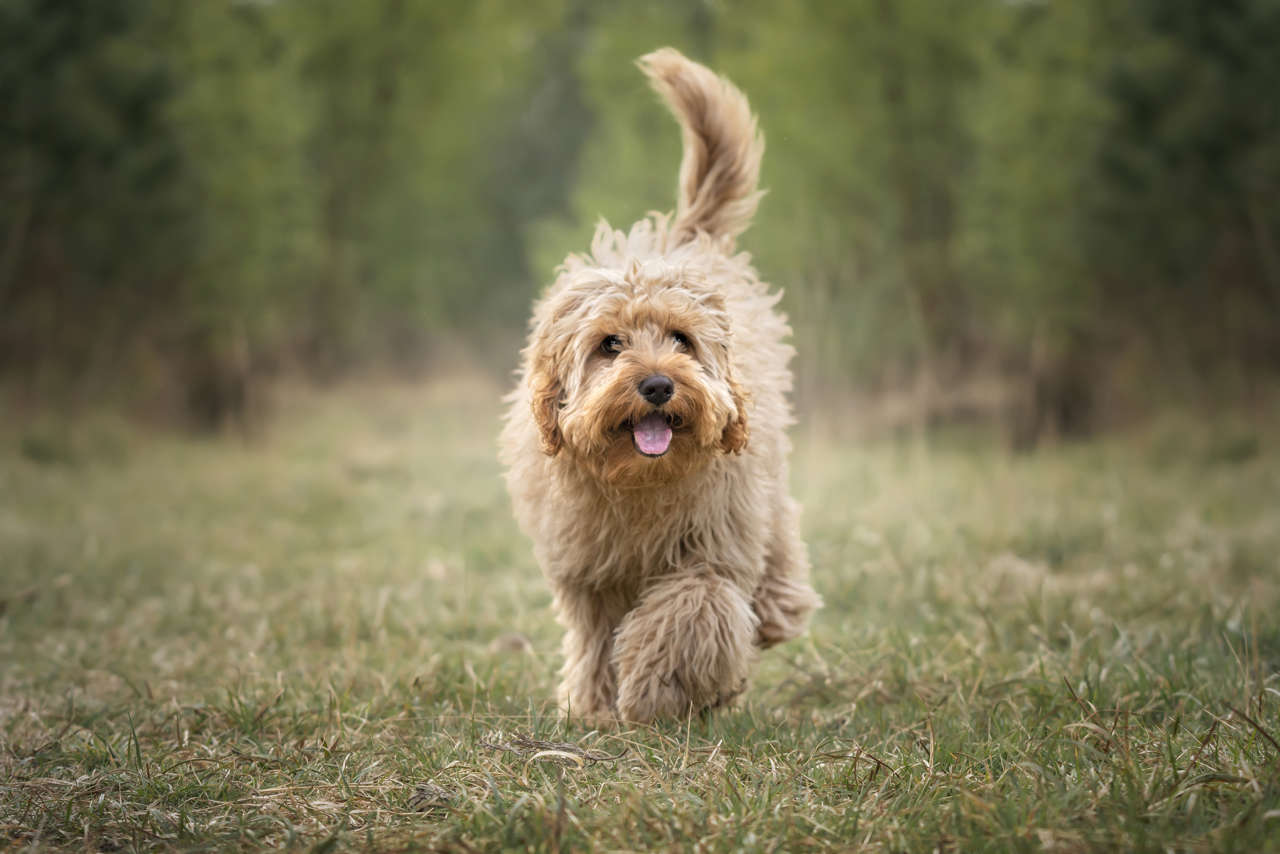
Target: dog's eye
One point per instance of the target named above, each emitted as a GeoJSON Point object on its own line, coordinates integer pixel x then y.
{"type": "Point", "coordinates": [611, 345]}
{"type": "Point", "coordinates": [681, 339]}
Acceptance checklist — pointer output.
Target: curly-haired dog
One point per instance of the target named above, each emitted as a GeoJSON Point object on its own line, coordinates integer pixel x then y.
{"type": "Point", "coordinates": [646, 445]}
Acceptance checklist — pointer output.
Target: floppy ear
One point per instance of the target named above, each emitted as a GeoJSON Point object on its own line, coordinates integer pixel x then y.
{"type": "Point", "coordinates": [550, 358]}
{"type": "Point", "coordinates": [545, 401]}
{"type": "Point", "coordinates": [735, 435]}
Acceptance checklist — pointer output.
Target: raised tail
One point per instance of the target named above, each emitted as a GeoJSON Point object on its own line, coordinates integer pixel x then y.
{"type": "Point", "coordinates": [719, 174]}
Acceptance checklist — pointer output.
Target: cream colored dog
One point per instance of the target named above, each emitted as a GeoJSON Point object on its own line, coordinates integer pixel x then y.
{"type": "Point", "coordinates": [646, 445]}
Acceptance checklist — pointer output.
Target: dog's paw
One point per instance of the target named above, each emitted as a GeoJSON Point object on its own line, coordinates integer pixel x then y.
{"type": "Point", "coordinates": [653, 696]}
{"type": "Point", "coordinates": [645, 700]}
{"type": "Point", "coordinates": [591, 703]}
{"type": "Point", "coordinates": [783, 606]}
{"type": "Point", "coordinates": [593, 718]}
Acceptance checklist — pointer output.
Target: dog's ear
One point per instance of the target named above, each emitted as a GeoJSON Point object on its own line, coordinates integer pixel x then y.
{"type": "Point", "coordinates": [545, 401]}
{"type": "Point", "coordinates": [735, 435]}
{"type": "Point", "coordinates": [550, 358]}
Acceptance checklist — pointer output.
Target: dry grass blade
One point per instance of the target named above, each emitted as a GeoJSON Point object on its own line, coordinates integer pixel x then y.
{"type": "Point", "coordinates": [560, 757]}
{"type": "Point", "coordinates": [1257, 726]}
{"type": "Point", "coordinates": [857, 756]}
{"type": "Point", "coordinates": [558, 751]}
{"type": "Point", "coordinates": [428, 797]}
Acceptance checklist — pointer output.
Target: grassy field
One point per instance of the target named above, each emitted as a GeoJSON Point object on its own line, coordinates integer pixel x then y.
{"type": "Point", "coordinates": [333, 636]}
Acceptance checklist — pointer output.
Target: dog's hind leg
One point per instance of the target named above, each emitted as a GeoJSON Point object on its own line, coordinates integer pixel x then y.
{"type": "Point", "coordinates": [784, 600]}
{"type": "Point", "coordinates": [687, 646]}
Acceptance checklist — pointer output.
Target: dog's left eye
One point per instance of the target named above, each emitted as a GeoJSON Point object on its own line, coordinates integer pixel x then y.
{"type": "Point", "coordinates": [681, 339]}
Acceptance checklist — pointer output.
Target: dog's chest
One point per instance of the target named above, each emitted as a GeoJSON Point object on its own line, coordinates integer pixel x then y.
{"type": "Point", "coordinates": [622, 542]}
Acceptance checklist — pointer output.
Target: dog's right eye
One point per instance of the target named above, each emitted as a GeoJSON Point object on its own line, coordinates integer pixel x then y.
{"type": "Point", "coordinates": [611, 345]}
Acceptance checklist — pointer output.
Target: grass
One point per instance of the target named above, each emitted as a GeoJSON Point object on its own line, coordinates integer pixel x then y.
{"type": "Point", "coordinates": [333, 637]}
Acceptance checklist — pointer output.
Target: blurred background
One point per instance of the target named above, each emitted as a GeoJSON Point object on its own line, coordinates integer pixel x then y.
{"type": "Point", "coordinates": [1048, 217]}
{"type": "Point", "coordinates": [265, 271]}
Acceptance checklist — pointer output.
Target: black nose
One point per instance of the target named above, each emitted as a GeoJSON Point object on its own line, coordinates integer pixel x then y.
{"type": "Point", "coordinates": [657, 389]}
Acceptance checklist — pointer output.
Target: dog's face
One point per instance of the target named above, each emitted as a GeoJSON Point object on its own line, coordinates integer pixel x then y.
{"type": "Point", "coordinates": [630, 374]}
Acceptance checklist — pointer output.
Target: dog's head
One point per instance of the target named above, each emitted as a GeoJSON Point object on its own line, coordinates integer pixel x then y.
{"type": "Point", "coordinates": [629, 362]}
{"type": "Point", "coordinates": [630, 373]}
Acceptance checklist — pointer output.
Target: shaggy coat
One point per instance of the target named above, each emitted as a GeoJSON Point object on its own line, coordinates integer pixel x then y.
{"type": "Point", "coordinates": [646, 445]}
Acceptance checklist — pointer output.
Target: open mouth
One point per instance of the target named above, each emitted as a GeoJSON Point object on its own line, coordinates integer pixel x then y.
{"type": "Point", "coordinates": [652, 434]}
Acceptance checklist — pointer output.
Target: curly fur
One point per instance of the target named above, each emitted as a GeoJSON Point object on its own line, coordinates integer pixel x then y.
{"type": "Point", "coordinates": [668, 572]}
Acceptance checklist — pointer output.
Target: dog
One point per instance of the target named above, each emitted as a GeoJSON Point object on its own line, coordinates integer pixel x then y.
{"type": "Point", "coordinates": [645, 442]}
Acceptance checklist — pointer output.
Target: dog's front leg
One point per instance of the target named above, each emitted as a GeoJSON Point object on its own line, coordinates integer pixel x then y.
{"type": "Point", "coordinates": [588, 686]}
{"type": "Point", "coordinates": [687, 646]}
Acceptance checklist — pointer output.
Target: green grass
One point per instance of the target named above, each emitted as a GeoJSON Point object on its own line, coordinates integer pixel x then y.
{"type": "Point", "coordinates": [325, 637]}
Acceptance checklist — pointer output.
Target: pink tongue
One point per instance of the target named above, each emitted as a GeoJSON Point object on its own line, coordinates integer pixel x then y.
{"type": "Point", "coordinates": [653, 436]}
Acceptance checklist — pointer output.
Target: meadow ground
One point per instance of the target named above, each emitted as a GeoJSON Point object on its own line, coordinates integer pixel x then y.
{"type": "Point", "coordinates": [334, 636]}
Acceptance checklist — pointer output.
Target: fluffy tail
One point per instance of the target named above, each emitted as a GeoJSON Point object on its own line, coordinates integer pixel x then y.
{"type": "Point", "coordinates": [722, 147]}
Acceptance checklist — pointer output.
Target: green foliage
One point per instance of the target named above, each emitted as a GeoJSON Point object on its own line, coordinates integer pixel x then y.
{"type": "Point", "coordinates": [83, 124]}
{"type": "Point", "coordinates": [954, 189]}
{"type": "Point", "coordinates": [247, 203]}
{"type": "Point", "coordinates": [1195, 131]}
